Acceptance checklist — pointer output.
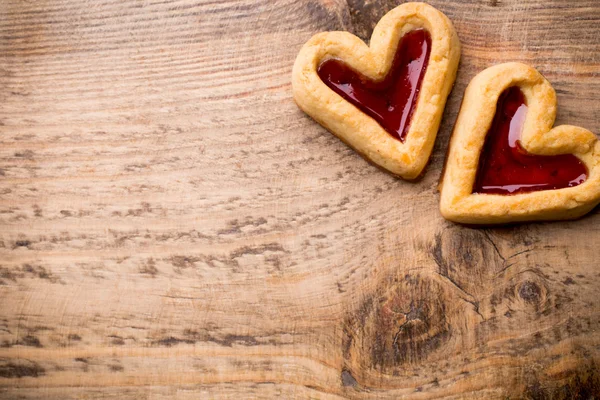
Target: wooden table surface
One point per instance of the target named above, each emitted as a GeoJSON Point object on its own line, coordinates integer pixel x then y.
{"type": "Point", "coordinates": [172, 225]}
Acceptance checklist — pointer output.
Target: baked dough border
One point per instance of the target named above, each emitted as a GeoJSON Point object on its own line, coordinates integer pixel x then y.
{"type": "Point", "coordinates": [459, 204]}
{"type": "Point", "coordinates": [406, 159]}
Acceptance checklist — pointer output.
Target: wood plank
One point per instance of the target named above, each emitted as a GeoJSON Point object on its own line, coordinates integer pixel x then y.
{"type": "Point", "coordinates": [171, 225]}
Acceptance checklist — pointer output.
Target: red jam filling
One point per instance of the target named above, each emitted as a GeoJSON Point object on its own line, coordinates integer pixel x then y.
{"type": "Point", "coordinates": [392, 101]}
{"type": "Point", "coordinates": [505, 167]}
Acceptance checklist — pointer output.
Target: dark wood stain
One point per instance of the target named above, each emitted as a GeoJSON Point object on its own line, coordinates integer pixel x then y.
{"type": "Point", "coordinates": [18, 370]}
{"type": "Point", "coordinates": [29, 340]}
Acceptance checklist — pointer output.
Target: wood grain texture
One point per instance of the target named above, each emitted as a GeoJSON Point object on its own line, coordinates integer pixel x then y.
{"type": "Point", "coordinates": [171, 225]}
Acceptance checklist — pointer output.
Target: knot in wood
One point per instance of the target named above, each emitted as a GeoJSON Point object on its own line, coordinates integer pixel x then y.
{"type": "Point", "coordinates": [400, 324]}
{"type": "Point", "coordinates": [530, 292]}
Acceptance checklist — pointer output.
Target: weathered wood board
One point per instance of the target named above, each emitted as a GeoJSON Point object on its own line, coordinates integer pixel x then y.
{"type": "Point", "coordinates": [171, 225]}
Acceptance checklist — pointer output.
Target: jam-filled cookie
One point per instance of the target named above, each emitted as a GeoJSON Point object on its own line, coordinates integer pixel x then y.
{"type": "Point", "coordinates": [386, 101]}
{"type": "Point", "coordinates": [506, 163]}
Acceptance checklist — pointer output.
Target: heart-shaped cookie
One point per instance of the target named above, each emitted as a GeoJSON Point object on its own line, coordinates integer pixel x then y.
{"type": "Point", "coordinates": [385, 101]}
{"type": "Point", "coordinates": [506, 163]}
